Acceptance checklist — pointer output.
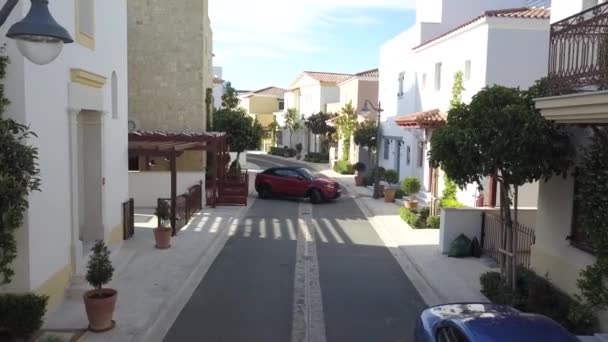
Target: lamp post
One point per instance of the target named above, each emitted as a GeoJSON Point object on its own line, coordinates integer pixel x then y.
{"type": "Point", "coordinates": [365, 112]}
{"type": "Point", "coordinates": [39, 37]}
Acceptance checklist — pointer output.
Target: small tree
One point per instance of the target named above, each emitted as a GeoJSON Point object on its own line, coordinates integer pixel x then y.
{"type": "Point", "coordinates": [366, 135]}
{"type": "Point", "coordinates": [272, 129]}
{"type": "Point", "coordinates": [317, 124]}
{"type": "Point", "coordinates": [230, 99]}
{"type": "Point", "coordinates": [346, 124]}
{"type": "Point", "coordinates": [292, 123]}
{"type": "Point", "coordinates": [500, 134]}
{"type": "Point", "coordinates": [99, 268]}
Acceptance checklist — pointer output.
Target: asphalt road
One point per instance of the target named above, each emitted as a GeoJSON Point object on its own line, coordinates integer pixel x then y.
{"type": "Point", "coordinates": [354, 289]}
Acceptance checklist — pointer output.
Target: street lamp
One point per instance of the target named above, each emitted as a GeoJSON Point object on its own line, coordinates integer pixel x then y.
{"type": "Point", "coordinates": [365, 112]}
{"type": "Point", "coordinates": [39, 37]}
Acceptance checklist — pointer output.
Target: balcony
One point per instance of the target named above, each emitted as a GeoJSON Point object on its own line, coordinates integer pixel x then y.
{"type": "Point", "coordinates": [578, 53]}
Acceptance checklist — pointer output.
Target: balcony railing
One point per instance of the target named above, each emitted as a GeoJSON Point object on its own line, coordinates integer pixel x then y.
{"type": "Point", "coordinates": [578, 53]}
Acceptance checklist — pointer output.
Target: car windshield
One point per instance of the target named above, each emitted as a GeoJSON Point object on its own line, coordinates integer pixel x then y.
{"type": "Point", "coordinates": [306, 173]}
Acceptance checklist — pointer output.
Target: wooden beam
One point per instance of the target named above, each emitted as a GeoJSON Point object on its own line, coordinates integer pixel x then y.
{"type": "Point", "coordinates": [173, 165]}
{"type": "Point", "coordinates": [186, 146]}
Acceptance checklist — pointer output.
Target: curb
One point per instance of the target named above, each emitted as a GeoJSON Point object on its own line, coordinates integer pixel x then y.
{"type": "Point", "coordinates": [171, 309]}
{"type": "Point", "coordinates": [317, 167]}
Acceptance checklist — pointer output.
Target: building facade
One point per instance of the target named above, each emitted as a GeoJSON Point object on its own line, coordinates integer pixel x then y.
{"type": "Point", "coordinates": [261, 105]}
{"type": "Point", "coordinates": [78, 107]}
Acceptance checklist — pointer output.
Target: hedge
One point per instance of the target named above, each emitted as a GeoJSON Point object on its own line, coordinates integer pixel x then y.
{"type": "Point", "coordinates": [314, 157]}
{"type": "Point", "coordinates": [344, 168]}
{"type": "Point", "coordinates": [21, 315]}
{"type": "Point", "coordinates": [282, 151]}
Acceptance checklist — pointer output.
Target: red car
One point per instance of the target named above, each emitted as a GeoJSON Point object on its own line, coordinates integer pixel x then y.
{"type": "Point", "coordinates": [295, 182]}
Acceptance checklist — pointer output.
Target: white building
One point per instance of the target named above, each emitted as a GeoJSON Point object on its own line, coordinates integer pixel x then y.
{"type": "Point", "coordinates": [77, 105]}
{"type": "Point", "coordinates": [502, 45]}
{"type": "Point", "coordinates": [219, 86]}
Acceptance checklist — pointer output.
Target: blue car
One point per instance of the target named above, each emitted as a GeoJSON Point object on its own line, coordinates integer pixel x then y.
{"type": "Point", "coordinates": [484, 322]}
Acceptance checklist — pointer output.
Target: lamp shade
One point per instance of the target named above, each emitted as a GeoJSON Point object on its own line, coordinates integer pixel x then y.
{"type": "Point", "coordinates": [365, 110]}
{"type": "Point", "coordinates": [39, 37]}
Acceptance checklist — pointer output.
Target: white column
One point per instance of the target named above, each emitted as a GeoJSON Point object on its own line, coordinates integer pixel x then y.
{"type": "Point", "coordinates": [76, 245]}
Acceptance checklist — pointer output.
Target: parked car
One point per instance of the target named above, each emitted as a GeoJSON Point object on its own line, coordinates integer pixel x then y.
{"type": "Point", "coordinates": [295, 182]}
{"type": "Point", "coordinates": [484, 322]}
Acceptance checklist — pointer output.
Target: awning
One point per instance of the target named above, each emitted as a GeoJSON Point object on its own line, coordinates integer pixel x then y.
{"type": "Point", "coordinates": [427, 119]}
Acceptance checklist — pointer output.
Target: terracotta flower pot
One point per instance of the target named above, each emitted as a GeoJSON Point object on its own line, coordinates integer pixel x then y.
{"type": "Point", "coordinates": [359, 180]}
{"type": "Point", "coordinates": [381, 189]}
{"type": "Point", "coordinates": [100, 309]}
{"type": "Point", "coordinates": [411, 204]}
{"type": "Point", "coordinates": [389, 195]}
{"type": "Point", "coordinates": [162, 236]}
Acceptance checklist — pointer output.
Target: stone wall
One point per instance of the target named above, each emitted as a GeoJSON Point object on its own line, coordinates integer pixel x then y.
{"type": "Point", "coordinates": [170, 63]}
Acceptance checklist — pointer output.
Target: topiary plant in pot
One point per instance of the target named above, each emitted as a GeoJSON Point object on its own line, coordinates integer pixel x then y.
{"type": "Point", "coordinates": [360, 168]}
{"type": "Point", "coordinates": [100, 302]}
{"type": "Point", "coordinates": [299, 149]}
{"type": "Point", "coordinates": [391, 177]}
{"type": "Point", "coordinates": [411, 186]}
{"type": "Point", "coordinates": [162, 234]}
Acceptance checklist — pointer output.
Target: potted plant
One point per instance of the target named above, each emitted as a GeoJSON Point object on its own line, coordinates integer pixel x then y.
{"type": "Point", "coordinates": [380, 171]}
{"type": "Point", "coordinates": [360, 168]}
{"type": "Point", "coordinates": [162, 234]}
{"type": "Point", "coordinates": [99, 303]}
{"type": "Point", "coordinates": [391, 177]}
{"type": "Point", "coordinates": [299, 148]}
{"type": "Point", "coordinates": [410, 187]}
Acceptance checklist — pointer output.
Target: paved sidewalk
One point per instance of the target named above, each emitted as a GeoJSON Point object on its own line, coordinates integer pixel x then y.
{"type": "Point", "coordinates": [153, 285]}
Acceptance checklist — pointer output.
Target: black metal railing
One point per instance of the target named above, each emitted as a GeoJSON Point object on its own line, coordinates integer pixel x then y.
{"type": "Point", "coordinates": [578, 53]}
{"type": "Point", "coordinates": [492, 235]}
{"type": "Point", "coordinates": [186, 205]}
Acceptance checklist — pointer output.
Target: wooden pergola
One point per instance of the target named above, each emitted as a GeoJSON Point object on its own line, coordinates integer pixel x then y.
{"type": "Point", "coordinates": [171, 145]}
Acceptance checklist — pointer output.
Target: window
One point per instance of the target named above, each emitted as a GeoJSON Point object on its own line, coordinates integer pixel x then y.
{"type": "Point", "coordinates": [286, 173]}
{"type": "Point", "coordinates": [85, 23]}
{"type": "Point", "coordinates": [438, 77]}
{"type": "Point", "coordinates": [420, 155]}
{"type": "Point", "coordinates": [467, 70]}
{"type": "Point", "coordinates": [423, 82]}
{"type": "Point", "coordinates": [114, 95]}
{"type": "Point", "coordinates": [387, 146]}
{"type": "Point", "coordinates": [408, 158]}
{"type": "Point", "coordinates": [133, 163]}
{"type": "Point", "coordinates": [450, 334]}
{"type": "Point", "coordinates": [281, 104]}
{"type": "Point", "coordinates": [401, 81]}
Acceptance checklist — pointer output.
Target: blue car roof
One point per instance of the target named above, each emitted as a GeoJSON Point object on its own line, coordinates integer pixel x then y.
{"type": "Point", "coordinates": [485, 322]}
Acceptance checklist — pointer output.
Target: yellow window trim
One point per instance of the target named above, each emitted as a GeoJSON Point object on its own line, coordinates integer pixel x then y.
{"type": "Point", "coordinates": [83, 38]}
{"type": "Point", "coordinates": [87, 78]}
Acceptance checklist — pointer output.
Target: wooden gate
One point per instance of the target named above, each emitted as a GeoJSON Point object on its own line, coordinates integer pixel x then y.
{"type": "Point", "coordinates": [233, 190]}
{"type": "Point", "coordinates": [128, 219]}
{"type": "Point", "coordinates": [491, 238]}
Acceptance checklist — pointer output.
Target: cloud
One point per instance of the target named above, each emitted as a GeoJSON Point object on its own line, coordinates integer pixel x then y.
{"type": "Point", "coordinates": [273, 28]}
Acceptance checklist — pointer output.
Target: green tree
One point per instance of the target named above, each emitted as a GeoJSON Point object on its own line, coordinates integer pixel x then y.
{"type": "Point", "coordinates": [366, 135]}
{"type": "Point", "coordinates": [230, 99]}
{"type": "Point", "coordinates": [450, 188]}
{"type": "Point", "coordinates": [317, 124]}
{"type": "Point", "coordinates": [346, 124]}
{"type": "Point", "coordinates": [272, 131]}
{"type": "Point", "coordinates": [292, 123]}
{"type": "Point", "coordinates": [18, 178]}
{"type": "Point", "coordinates": [500, 134]}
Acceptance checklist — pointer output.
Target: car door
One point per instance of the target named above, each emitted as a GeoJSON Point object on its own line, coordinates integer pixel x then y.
{"type": "Point", "coordinates": [280, 182]}
{"type": "Point", "coordinates": [292, 183]}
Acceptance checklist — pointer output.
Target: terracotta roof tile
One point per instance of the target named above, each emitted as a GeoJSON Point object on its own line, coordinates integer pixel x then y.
{"type": "Point", "coordinates": [369, 73]}
{"type": "Point", "coordinates": [328, 77]}
{"type": "Point", "coordinates": [276, 91]}
{"type": "Point", "coordinates": [427, 119]}
{"type": "Point", "coordinates": [517, 13]}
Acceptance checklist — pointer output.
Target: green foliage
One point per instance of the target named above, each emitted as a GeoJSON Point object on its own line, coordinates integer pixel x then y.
{"type": "Point", "coordinates": [299, 147]}
{"type": "Point", "coordinates": [415, 219]}
{"type": "Point", "coordinates": [592, 207]}
{"type": "Point", "coordinates": [283, 152]}
{"type": "Point", "coordinates": [315, 157]}
{"type": "Point", "coordinates": [344, 168]}
{"type": "Point", "coordinates": [52, 338]}
{"type": "Point", "coordinates": [272, 129]}
{"type": "Point", "coordinates": [99, 268]}
{"type": "Point", "coordinates": [451, 203]}
{"type": "Point", "coordinates": [399, 194]}
{"type": "Point", "coordinates": [292, 122]}
{"type": "Point", "coordinates": [346, 125]}
{"type": "Point", "coordinates": [457, 89]}
{"type": "Point", "coordinates": [536, 294]}
{"type": "Point", "coordinates": [163, 212]}
{"type": "Point", "coordinates": [450, 189]}
{"type": "Point", "coordinates": [230, 99]}
{"type": "Point", "coordinates": [360, 167]}
{"type": "Point", "coordinates": [317, 123]}
{"type": "Point", "coordinates": [244, 133]}
{"type": "Point", "coordinates": [433, 222]}
{"type": "Point", "coordinates": [18, 178]}
{"type": "Point", "coordinates": [391, 177]}
{"type": "Point", "coordinates": [366, 135]}
{"type": "Point", "coordinates": [410, 186]}
{"type": "Point", "coordinates": [21, 315]}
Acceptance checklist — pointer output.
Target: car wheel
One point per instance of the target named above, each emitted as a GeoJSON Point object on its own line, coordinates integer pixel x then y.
{"type": "Point", "coordinates": [264, 191]}
{"type": "Point", "coordinates": [315, 196]}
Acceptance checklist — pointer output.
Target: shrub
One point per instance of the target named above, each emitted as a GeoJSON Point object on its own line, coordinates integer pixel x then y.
{"type": "Point", "coordinates": [368, 179]}
{"type": "Point", "coordinates": [278, 151]}
{"type": "Point", "coordinates": [451, 203]}
{"type": "Point", "coordinates": [410, 185]}
{"type": "Point", "coordinates": [380, 171]}
{"type": "Point", "coordinates": [360, 167]}
{"type": "Point", "coordinates": [21, 315]}
{"type": "Point", "coordinates": [99, 268]}
{"type": "Point", "coordinates": [299, 147]}
{"type": "Point", "coordinates": [314, 157]}
{"type": "Point", "coordinates": [536, 294]}
{"type": "Point", "coordinates": [433, 222]}
{"type": "Point", "coordinates": [163, 212]}
{"type": "Point", "coordinates": [391, 177]}
{"type": "Point", "coordinates": [399, 193]}
{"type": "Point", "coordinates": [344, 168]}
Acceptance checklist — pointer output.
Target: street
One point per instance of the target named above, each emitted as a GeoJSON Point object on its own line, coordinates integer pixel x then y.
{"type": "Point", "coordinates": [297, 272]}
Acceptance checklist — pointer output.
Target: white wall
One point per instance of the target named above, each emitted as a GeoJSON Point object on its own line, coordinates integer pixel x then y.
{"type": "Point", "coordinates": [561, 9]}
{"type": "Point", "coordinates": [39, 97]}
{"type": "Point", "coordinates": [147, 187]}
{"type": "Point", "coordinates": [456, 221]}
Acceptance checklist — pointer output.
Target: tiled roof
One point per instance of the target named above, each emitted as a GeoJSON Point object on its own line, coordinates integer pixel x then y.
{"type": "Point", "coordinates": [514, 13]}
{"type": "Point", "coordinates": [273, 91]}
{"type": "Point", "coordinates": [426, 119]}
{"type": "Point", "coordinates": [328, 77]}
{"type": "Point", "coordinates": [369, 73]}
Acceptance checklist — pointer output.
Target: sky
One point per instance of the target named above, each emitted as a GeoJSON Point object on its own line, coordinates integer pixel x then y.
{"type": "Point", "coordinates": [261, 43]}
